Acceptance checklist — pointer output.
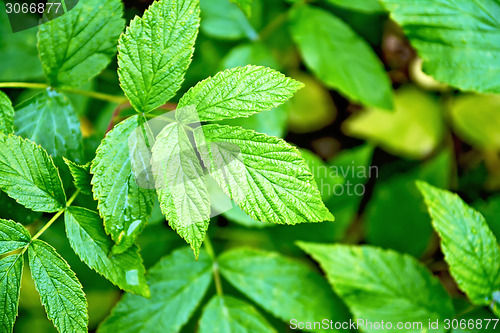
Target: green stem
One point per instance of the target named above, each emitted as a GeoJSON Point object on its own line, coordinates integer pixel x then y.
{"type": "Point", "coordinates": [72, 198]}
{"type": "Point", "coordinates": [23, 85]}
{"type": "Point", "coordinates": [215, 266]}
{"type": "Point", "coordinates": [48, 224]}
{"type": "Point", "coordinates": [93, 94]}
{"type": "Point", "coordinates": [97, 95]}
{"type": "Point", "coordinates": [56, 216]}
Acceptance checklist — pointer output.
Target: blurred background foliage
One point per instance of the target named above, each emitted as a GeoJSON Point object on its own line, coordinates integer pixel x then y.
{"type": "Point", "coordinates": [366, 103]}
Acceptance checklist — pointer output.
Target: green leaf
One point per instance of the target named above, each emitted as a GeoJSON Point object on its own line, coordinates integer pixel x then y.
{"type": "Point", "coordinates": [395, 217]}
{"type": "Point", "coordinates": [28, 175]}
{"type": "Point", "coordinates": [12, 236]}
{"type": "Point", "coordinates": [87, 237]}
{"type": "Point", "coordinates": [383, 285]}
{"type": "Point", "coordinates": [6, 114]}
{"type": "Point", "coordinates": [237, 92]}
{"type": "Point", "coordinates": [458, 41]}
{"type": "Point", "coordinates": [124, 206]}
{"type": "Point", "coordinates": [155, 52]}
{"type": "Point", "coordinates": [50, 120]}
{"type": "Point", "coordinates": [221, 19]}
{"type": "Point", "coordinates": [78, 45]}
{"type": "Point", "coordinates": [60, 291]}
{"type": "Point", "coordinates": [178, 283]}
{"type": "Point", "coordinates": [264, 175]}
{"type": "Point", "coordinates": [81, 176]}
{"type": "Point", "coordinates": [181, 185]}
{"type": "Point", "coordinates": [339, 57]}
{"type": "Point", "coordinates": [413, 130]}
{"type": "Point", "coordinates": [11, 269]}
{"type": "Point", "coordinates": [245, 5]}
{"type": "Point", "coordinates": [469, 246]}
{"type": "Point", "coordinates": [226, 314]}
{"type": "Point", "coordinates": [282, 286]}
{"type": "Point", "coordinates": [475, 118]}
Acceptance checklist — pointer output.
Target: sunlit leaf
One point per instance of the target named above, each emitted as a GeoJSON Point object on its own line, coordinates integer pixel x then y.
{"type": "Point", "coordinates": [155, 52]}
{"type": "Point", "coordinates": [237, 92]}
{"type": "Point", "coordinates": [264, 175]}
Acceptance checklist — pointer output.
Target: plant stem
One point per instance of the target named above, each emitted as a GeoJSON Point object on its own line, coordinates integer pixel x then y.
{"type": "Point", "coordinates": [93, 94]}
{"type": "Point", "coordinates": [48, 224]}
{"type": "Point", "coordinates": [23, 85]}
{"type": "Point", "coordinates": [215, 265]}
{"type": "Point", "coordinates": [97, 95]}
{"type": "Point", "coordinates": [72, 198]}
{"type": "Point", "coordinates": [56, 216]}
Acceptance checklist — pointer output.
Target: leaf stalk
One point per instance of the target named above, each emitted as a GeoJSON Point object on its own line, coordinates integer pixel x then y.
{"type": "Point", "coordinates": [215, 265]}
{"type": "Point", "coordinates": [92, 94]}
{"type": "Point", "coordinates": [56, 216]}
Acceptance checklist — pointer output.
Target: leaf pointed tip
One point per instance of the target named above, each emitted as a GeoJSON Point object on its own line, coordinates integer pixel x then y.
{"type": "Point", "coordinates": [146, 292]}
{"type": "Point", "coordinates": [196, 251]}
